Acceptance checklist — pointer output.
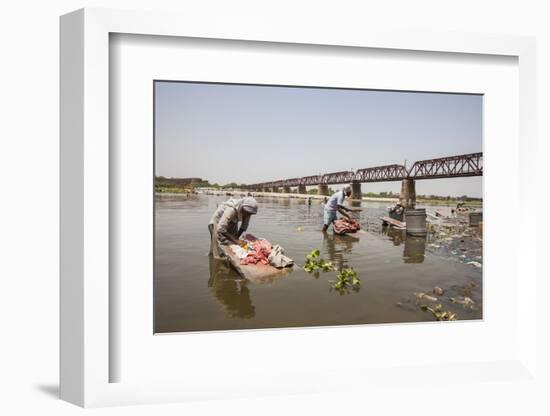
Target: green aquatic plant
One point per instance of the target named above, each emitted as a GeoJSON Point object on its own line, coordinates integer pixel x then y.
{"type": "Point", "coordinates": [439, 313]}
{"type": "Point", "coordinates": [346, 279]}
{"type": "Point", "coordinates": [314, 263]}
{"type": "Point", "coordinates": [325, 266]}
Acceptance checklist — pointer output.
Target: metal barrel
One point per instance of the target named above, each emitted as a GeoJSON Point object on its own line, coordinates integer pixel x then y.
{"type": "Point", "coordinates": [475, 218]}
{"type": "Point", "coordinates": [416, 221]}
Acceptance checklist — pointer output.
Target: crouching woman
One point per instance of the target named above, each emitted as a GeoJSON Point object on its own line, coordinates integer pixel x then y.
{"type": "Point", "coordinates": [224, 225]}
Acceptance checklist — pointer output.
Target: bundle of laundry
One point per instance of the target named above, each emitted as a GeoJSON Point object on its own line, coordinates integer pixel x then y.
{"type": "Point", "coordinates": [278, 259]}
{"type": "Point", "coordinates": [260, 251]}
{"type": "Point", "coordinates": [345, 226]}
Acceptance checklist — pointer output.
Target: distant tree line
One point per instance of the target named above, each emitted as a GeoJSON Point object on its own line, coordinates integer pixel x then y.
{"type": "Point", "coordinates": [390, 194]}
{"type": "Point", "coordinates": [179, 185]}
{"type": "Point", "coordinates": [465, 198]}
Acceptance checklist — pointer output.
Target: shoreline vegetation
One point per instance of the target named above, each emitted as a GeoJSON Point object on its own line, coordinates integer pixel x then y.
{"type": "Point", "coordinates": [178, 186]}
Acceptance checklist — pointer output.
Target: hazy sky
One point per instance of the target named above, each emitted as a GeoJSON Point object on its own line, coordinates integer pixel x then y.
{"type": "Point", "coordinates": [251, 134]}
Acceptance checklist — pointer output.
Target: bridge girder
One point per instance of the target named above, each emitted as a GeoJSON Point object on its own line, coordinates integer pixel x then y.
{"type": "Point", "coordinates": [337, 177]}
{"type": "Point", "coordinates": [446, 167]}
{"type": "Point", "coordinates": [381, 174]}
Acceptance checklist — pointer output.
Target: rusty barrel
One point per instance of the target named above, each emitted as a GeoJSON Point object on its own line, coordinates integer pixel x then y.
{"type": "Point", "coordinates": [475, 218]}
{"type": "Point", "coordinates": [416, 221]}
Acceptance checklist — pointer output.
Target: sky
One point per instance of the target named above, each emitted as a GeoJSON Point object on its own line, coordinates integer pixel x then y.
{"type": "Point", "coordinates": [250, 134]}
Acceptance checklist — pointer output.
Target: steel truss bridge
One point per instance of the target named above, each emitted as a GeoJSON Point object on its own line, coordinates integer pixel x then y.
{"type": "Point", "coordinates": [445, 167]}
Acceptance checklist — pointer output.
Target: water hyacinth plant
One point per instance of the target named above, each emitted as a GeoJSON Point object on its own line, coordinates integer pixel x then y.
{"type": "Point", "coordinates": [346, 279]}
{"type": "Point", "coordinates": [314, 263]}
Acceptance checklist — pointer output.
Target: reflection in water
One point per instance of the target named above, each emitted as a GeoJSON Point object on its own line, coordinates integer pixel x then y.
{"type": "Point", "coordinates": [230, 290]}
{"type": "Point", "coordinates": [338, 248]}
{"type": "Point", "coordinates": [396, 236]}
{"type": "Point", "coordinates": [415, 247]}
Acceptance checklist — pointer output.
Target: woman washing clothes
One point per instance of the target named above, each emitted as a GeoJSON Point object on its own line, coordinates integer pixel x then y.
{"type": "Point", "coordinates": [224, 224]}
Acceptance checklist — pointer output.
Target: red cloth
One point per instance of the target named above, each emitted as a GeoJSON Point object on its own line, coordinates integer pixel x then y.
{"type": "Point", "coordinates": [260, 252]}
{"type": "Point", "coordinates": [345, 225]}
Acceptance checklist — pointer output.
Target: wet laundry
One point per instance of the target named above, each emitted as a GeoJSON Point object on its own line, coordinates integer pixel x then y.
{"type": "Point", "coordinates": [260, 251]}
{"type": "Point", "coordinates": [346, 225]}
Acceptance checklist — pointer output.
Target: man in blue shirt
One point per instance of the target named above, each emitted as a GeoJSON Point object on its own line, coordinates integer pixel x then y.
{"type": "Point", "coordinates": [336, 204]}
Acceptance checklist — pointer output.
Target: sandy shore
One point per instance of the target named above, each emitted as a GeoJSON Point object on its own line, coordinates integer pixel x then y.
{"type": "Point", "coordinates": [322, 197]}
{"type": "Point", "coordinates": [292, 195]}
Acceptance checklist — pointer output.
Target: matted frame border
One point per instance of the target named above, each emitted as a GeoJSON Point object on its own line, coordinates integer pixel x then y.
{"type": "Point", "coordinates": [84, 180]}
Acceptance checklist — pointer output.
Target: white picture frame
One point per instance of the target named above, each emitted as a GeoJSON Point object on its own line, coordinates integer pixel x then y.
{"type": "Point", "coordinates": [85, 219]}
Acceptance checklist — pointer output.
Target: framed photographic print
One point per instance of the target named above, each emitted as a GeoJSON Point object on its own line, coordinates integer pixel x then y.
{"type": "Point", "coordinates": [328, 201]}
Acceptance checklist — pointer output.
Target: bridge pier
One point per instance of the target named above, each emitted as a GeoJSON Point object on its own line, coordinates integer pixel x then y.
{"type": "Point", "coordinates": [302, 189]}
{"type": "Point", "coordinates": [275, 189]}
{"type": "Point", "coordinates": [407, 198]}
{"type": "Point", "coordinates": [287, 190]}
{"type": "Point", "coordinates": [322, 189]}
{"type": "Point", "coordinates": [356, 191]}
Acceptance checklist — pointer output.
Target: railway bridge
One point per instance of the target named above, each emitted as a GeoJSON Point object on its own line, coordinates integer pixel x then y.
{"type": "Point", "coordinates": [444, 167]}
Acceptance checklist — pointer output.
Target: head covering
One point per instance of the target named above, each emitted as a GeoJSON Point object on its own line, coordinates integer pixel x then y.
{"type": "Point", "coordinates": [347, 189]}
{"type": "Point", "coordinates": [249, 205]}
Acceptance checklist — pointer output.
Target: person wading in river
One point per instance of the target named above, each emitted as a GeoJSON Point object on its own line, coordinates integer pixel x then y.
{"type": "Point", "coordinates": [336, 204]}
{"type": "Point", "coordinates": [224, 224]}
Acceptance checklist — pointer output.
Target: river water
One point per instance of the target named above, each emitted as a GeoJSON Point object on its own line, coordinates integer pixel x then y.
{"type": "Point", "coordinates": [193, 292]}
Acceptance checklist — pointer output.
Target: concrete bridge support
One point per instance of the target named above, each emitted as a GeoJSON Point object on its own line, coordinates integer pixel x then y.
{"type": "Point", "coordinates": [407, 198]}
{"type": "Point", "coordinates": [275, 189]}
{"type": "Point", "coordinates": [322, 189]}
{"type": "Point", "coordinates": [287, 190]}
{"type": "Point", "coordinates": [302, 189]}
{"type": "Point", "coordinates": [356, 191]}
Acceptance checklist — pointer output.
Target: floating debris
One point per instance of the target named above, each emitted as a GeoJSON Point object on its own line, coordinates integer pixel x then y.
{"type": "Point", "coordinates": [438, 291]}
{"type": "Point", "coordinates": [444, 302]}
{"type": "Point", "coordinates": [423, 295]}
{"type": "Point", "coordinates": [439, 313]}
{"type": "Point", "coordinates": [467, 302]}
{"type": "Point", "coordinates": [453, 237]}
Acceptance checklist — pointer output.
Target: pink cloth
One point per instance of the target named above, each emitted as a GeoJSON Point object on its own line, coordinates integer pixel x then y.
{"type": "Point", "coordinates": [344, 225]}
{"type": "Point", "coordinates": [260, 252]}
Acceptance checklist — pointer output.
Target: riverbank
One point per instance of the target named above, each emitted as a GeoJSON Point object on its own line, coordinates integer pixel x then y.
{"type": "Point", "coordinates": [275, 195]}
{"type": "Point", "coordinates": [420, 201]}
